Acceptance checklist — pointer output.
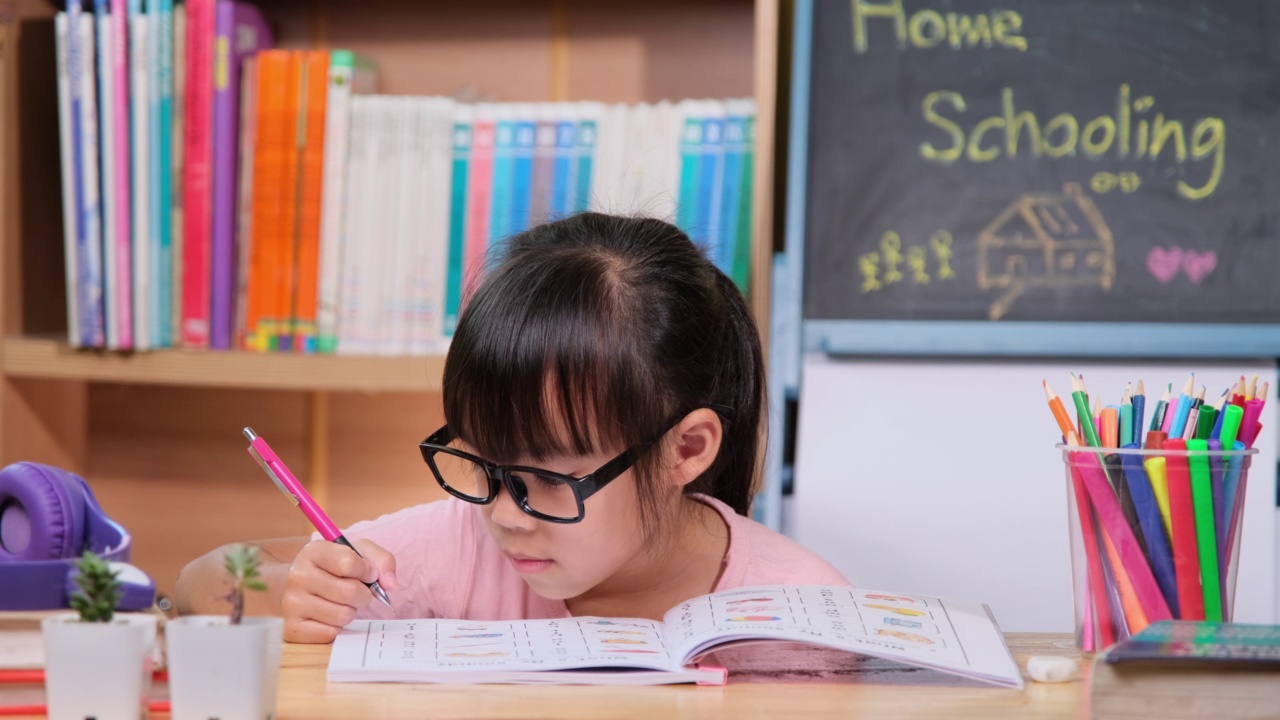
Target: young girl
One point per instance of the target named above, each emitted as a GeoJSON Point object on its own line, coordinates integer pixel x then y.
{"type": "Point", "coordinates": [603, 397]}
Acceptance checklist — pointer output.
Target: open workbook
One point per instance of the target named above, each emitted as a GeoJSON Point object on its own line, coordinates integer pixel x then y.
{"type": "Point", "coordinates": [928, 632]}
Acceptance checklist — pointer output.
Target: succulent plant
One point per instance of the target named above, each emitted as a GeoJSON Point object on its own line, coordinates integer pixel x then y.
{"type": "Point", "coordinates": [99, 589]}
{"type": "Point", "coordinates": [242, 566]}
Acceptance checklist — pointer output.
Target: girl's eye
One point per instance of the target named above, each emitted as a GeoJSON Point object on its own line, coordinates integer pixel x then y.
{"type": "Point", "coordinates": [548, 481]}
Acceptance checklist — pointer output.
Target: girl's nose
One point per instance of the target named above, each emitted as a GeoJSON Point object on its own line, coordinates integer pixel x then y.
{"type": "Point", "coordinates": [507, 512]}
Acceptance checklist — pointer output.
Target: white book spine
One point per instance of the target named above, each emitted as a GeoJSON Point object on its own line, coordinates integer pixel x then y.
{"type": "Point", "coordinates": [140, 53]}
{"type": "Point", "coordinates": [106, 148]}
{"type": "Point", "coordinates": [405, 156]}
{"type": "Point", "coordinates": [356, 236]}
{"type": "Point", "coordinates": [70, 206]}
{"type": "Point", "coordinates": [91, 273]}
{"type": "Point", "coordinates": [337, 132]}
{"type": "Point", "coordinates": [431, 255]}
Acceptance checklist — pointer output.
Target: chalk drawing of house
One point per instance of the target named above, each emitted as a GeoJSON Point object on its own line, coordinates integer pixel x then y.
{"type": "Point", "coordinates": [1045, 241]}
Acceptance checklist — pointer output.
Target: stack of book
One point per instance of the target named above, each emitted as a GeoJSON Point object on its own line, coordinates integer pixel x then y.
{"type": "Point", "coordinates": [218, 193]}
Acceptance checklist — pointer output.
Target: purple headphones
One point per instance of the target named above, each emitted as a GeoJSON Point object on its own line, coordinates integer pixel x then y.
{"type": "Point", "coordinates": [48, 518]}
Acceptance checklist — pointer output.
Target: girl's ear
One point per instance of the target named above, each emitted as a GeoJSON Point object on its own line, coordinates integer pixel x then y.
{"type": "Point", "coordinates": [696, 442]}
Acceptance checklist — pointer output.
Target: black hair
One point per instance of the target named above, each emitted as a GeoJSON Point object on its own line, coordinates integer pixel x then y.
{"type": "Point", "coordinates": [615, 326]}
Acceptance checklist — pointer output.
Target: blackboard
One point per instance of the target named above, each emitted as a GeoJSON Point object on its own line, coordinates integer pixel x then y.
{"type": "Point", "coordinates": [1140, 182]}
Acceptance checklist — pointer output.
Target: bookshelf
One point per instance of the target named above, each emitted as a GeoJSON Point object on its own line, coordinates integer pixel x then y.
{"type": "Point", "coordinates": [157, 434]}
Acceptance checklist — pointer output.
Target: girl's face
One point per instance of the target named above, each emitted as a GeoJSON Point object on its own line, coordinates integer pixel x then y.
{"type": "Point", "coordinates": [562, 561]}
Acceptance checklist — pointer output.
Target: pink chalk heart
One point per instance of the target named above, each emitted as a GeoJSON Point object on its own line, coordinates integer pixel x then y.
{"type": "Point", "coordinates": [1164, 264]}
{"type": "Point", "coordinates": [1196, 265]}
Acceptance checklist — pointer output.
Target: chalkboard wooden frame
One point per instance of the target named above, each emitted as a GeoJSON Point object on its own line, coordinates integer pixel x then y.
{"type": "Point", "coordinates": [972, 338]}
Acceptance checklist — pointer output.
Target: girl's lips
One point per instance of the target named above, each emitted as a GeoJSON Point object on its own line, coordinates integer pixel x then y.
{"type": "Point", "coordinates": [528, 565]}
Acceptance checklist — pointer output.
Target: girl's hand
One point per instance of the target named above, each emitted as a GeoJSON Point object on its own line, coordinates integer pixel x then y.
{"type": "Point", "coordinates": [325, 588]}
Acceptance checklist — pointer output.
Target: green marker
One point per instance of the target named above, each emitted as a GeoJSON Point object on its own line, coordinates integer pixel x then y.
{"type": "Point", "coordinates": [1126, 423]}
{"type": "Point", "coordinates": [1232, 415]}
{"type": "Point", "coordinates": [1206, 538]}
{"type": "Point", "coordinates": [1205, 422]}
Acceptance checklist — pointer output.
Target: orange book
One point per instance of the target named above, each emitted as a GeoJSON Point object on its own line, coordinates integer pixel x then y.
{"type": "Point", "coordinates": [270, 151]}
{"type": "Point", "coordinates": [313, 101]}
{"type": "Point", "coordinates": [287, 234]}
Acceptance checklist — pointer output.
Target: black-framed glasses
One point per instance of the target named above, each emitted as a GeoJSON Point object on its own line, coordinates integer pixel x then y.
{"type": "Point", "coordinates": [544, 494]}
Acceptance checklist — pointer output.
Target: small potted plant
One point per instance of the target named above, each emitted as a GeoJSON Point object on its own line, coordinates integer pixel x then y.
{"type": "Point", "coordinates": [226, 666]}
{"type": "Point", "coordinates": [98, 662]}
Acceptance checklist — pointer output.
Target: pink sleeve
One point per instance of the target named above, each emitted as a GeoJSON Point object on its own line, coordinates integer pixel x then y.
{"type": "Point", "coordinates": [434, 547]}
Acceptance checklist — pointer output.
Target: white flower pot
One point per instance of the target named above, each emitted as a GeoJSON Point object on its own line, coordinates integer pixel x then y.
{"type": "Point", "coordinates": [98, 670]}
{"type": "Point", "coordinates": [224, 671]}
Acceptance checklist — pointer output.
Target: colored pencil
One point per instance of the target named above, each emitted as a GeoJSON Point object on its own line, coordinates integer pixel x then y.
{"type": "Point", "coordinates": [1109, 419]}
{"type": "Point", "coordinates": [1059, 411]}
{"type": "Point", "coordinates": [1139, 413]}
{"type": "Point", "coordinates": [1197, 402]}
{"type": "Point", "coordinates": [1126, 419]}
{"type": "Point", "coordinates": [1162, 409]}
{"type": "Point", "coordinates": [1179, 423]}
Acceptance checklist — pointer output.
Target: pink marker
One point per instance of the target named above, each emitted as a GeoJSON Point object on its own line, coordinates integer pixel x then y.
{"type": "Point", "coordinates": [289, 485]}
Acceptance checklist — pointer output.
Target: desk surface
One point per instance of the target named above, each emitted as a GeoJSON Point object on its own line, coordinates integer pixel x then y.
{"type": "Point", "coordinates": [833, 685]}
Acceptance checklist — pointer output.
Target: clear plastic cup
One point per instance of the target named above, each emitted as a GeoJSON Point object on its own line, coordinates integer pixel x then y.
{"type": "Point", "coordinates": [1155, 535]}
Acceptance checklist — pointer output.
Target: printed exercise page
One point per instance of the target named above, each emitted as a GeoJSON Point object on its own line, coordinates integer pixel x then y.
{"type": "Point", "coordinates": [401, 649]}
{"type": "Point", "coordinates": [921, 630]}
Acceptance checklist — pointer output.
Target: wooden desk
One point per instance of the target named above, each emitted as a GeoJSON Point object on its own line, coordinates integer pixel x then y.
{"type": "Point", "coordinates": [848, 686]}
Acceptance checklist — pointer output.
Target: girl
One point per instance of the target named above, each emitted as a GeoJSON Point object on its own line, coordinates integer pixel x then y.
{"type": "Point", "coordinates": [603, 397]}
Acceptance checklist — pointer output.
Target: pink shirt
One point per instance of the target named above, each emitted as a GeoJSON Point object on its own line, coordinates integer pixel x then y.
{"type": "Point", "coordinates": [449, 566]}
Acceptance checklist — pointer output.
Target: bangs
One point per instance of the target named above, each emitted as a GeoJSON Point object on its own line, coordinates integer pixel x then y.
{"type": "Point", "coordinates": [548, 360]}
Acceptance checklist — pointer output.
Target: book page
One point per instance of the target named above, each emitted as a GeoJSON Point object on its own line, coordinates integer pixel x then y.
{"type": "Point", "coordinates": [416, 649]}
{"type": "Point", "coordinates": [921, 630]}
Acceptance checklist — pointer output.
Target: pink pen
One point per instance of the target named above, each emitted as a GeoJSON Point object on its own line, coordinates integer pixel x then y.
{"type": "Point", "coordinates": [293, 489]}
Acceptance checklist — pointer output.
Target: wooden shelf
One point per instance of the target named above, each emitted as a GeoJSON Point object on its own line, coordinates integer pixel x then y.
{"type": "Point", "coordinates": [54, 359]}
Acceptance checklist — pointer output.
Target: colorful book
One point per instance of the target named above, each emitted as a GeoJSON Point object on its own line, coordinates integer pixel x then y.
{"type": "Point", "coordinates": [68, 140]}
{"type": "Point", "coordinates": [1182, 669]}
{"type": "Point", "coordinates": [244, 191]}
{"type": "Point", "coordinates": [504, 145]}
{"type": "Point", "coordinates": [314, 84]}
{"type": "Point", "coordinates": [349, 74]}
{"type": "Point", "coordinates": [177, 143]}
{"type": "Point", "coordinates": [464, 115]}
{"type": "Point", "coordinates": [284, 270]}
{"type": "Point", "coordinates": [160, 83]}
{"type": "Point", "coordinates": [107, 174]}
{"type": "Point", "coordinates": [690, 164]}
{"type": "Point", "coordinates": [197, 182]}
{"type": "Point", "coordinates": [480, 181]}
{"type": "Point", "coordinates": [89, 264]}
{"type": "Point", "coordinates": [544, 157]}
{"type": "Point", "coordinates": [563, 182]}
{"type": "Point", "coordinates": [526, 129]}
{"type": "Point", "coordinates": [123, 185]}
{"type": "Point", "coordinates": [240, 31]}
{"type": "Point", "coordinates": [711, 183]}
{"type": "Point", "coordinates": [735, 139]}
{"type": "Point", "coordinates": [274, 138]}
{"type": "Point", "coordinates": [742, 228]}
{"type": "Point", "coordinates": [584, 154]}
{"type": "Point", "coordinates": [140, 39]}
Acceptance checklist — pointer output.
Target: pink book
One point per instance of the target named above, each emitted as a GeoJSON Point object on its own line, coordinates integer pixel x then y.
{"type": "Point", "coordinates": [197, 176]}
{"type": "Point", "coordinates": [119, 103]}
{"type": "Point", "coordinates": [479, 190]}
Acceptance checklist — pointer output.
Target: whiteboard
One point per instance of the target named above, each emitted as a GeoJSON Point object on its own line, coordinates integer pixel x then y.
{"type": "Point", "coordinates": [940, 477]}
